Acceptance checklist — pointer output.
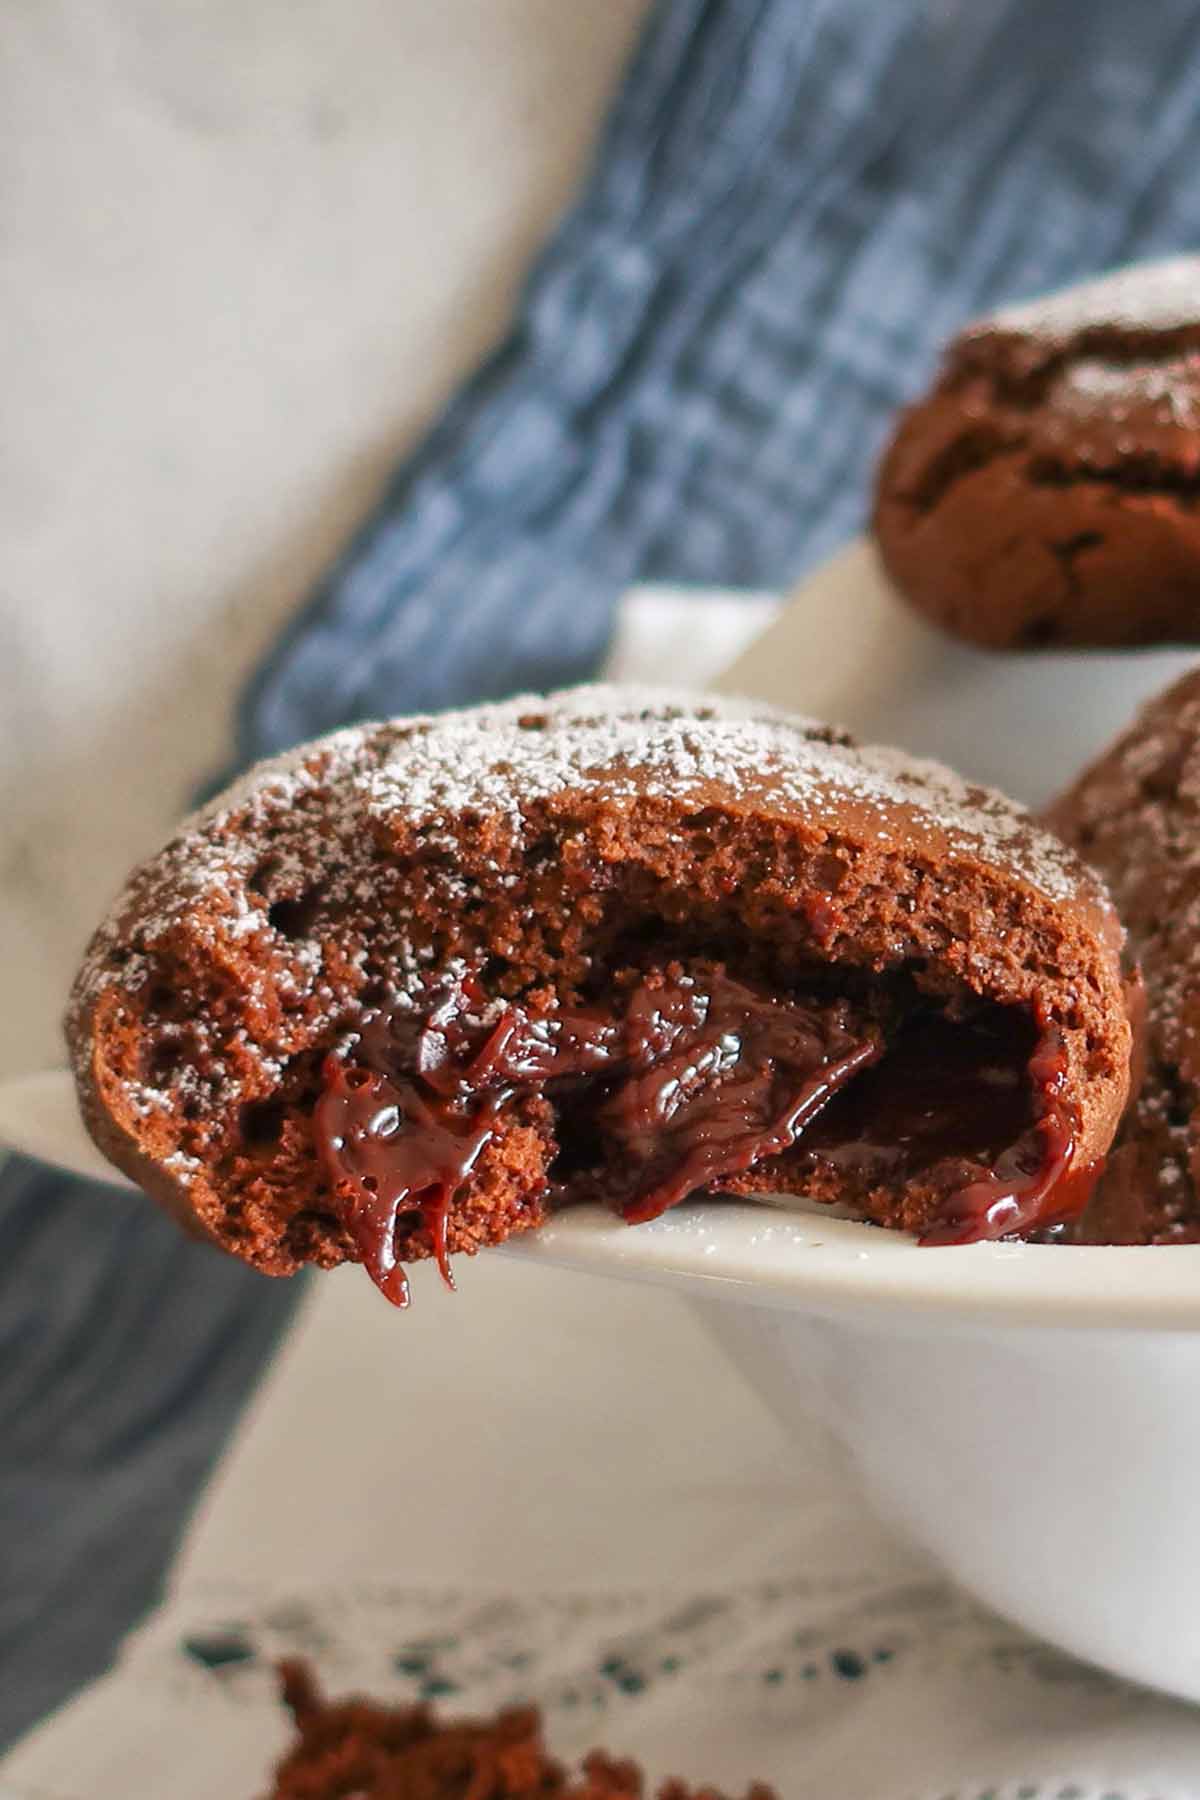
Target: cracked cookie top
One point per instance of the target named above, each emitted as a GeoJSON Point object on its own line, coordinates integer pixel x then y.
{"type": "Point", "coordinates": [1043, 492]}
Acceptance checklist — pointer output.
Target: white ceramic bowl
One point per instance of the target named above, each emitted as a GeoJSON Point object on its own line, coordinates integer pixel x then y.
{"type": "Point", "coordinates": [1026, 1413]}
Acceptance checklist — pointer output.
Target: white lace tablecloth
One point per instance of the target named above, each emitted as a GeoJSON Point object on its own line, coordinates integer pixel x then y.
{"type": "Point", "coordinates": [552, 1486]}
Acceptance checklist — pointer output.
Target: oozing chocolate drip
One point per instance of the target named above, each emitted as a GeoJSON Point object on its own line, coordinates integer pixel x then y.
{"type": "Point", "coordinates": [974, 1107]}
{"type": "Point", "coordinates": [697, 1082]}
{"type": "Point", "coordinates": [698, 1079]}
{"type": "Point", "coordinates": [1015, 1193]}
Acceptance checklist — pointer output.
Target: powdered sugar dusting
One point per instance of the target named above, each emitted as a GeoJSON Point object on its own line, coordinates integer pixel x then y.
{"type": "Point", "coordinates": [1159, 296]}
{"type": "Point", "coordinates": [1169, 390]}
{"type": "Point", "coordinates": [645, 744]}
{"type": "Point", "coordinates": [627, 743]}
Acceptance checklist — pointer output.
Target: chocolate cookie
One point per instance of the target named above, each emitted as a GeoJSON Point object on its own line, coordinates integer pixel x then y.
{"type": "Point", "coordinates": [403, 992]}
{"type": "Point", "coordinates": [360, 1749]}
{"type": "Point", "coordinates": [1135, 814]}
{"type": "Point", "coordinates": [1045, 492]}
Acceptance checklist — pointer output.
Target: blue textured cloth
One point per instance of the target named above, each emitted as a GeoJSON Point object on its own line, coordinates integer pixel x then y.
{"type": "Point", "coordinates": [793, 203]}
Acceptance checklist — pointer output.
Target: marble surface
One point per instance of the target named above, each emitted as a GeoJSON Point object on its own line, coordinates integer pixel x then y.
{"type": "Point", "coordinates": [245, 253]}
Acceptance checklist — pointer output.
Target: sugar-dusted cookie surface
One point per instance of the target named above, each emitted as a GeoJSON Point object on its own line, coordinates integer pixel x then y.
{"type": "Point", "coordinates": [408, 989]}
{"type": "Point", "coordinates": [1135, 814]}
{"type": "Point", "coordinates": [1044, 491]}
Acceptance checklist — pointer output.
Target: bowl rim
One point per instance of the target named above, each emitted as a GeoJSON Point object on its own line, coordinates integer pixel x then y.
{"type": "Point", "coordinates": [801, 1261]}
{"type": "Point", "coordinates": [780, 1251]}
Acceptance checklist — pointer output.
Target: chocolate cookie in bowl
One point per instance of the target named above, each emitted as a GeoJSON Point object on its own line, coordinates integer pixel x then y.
{"type": "Point", "coordinates": [1044, 491]}
{"type": "Point", "coordinates": [1135, 815]}
{"type": "Point", "coordinates": [414, 988]}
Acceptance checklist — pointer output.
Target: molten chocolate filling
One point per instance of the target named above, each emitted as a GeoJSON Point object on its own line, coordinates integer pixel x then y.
{"type": "Point", "coordinates": [697, 1079]}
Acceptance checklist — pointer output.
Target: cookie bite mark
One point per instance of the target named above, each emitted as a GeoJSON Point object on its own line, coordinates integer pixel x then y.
{"type": "Point", "coordinates": [689, 1083]}
{"type": "Point", "coordinates": [409, 991]}
{"type": "Point", "coordinates": [1044, 491]}
{"type": "Point", "coordinates": [689, 1080]}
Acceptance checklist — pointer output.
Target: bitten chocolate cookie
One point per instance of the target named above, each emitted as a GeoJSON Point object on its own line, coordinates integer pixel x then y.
{"type": "Point", "coordinates": [359, 1749]}
{"type": "Point", "coordinates": [1135, 814]}
{"type": "Point", "coordinates": [1045, 492]}
{"type": "Point", "coordinates": [407, 990]}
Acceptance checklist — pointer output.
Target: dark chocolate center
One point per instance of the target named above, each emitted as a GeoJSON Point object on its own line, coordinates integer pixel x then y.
{"type": "Point", "coordinates": [692, 1083]}
{"type": "Point", "coordinates": [968, 1105]}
